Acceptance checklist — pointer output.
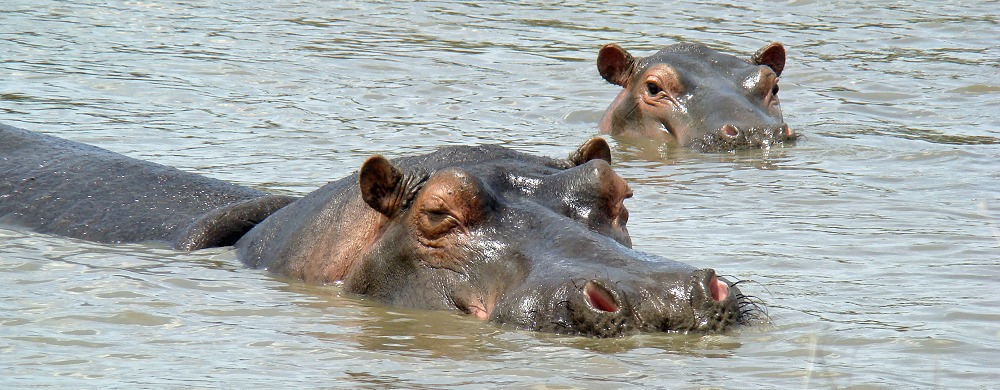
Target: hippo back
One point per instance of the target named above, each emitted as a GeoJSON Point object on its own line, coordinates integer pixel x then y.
{"type": "Point", "coordinates": [52, 185]}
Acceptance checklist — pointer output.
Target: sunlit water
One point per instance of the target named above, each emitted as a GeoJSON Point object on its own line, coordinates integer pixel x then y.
{"type": "Point", "coordinates": [874, 241]}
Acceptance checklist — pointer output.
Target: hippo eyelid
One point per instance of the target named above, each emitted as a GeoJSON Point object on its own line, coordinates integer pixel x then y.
{"type": "Point", "coordinates": [438, 225]}
{"type": "Point", "coordinates": [663, 80]}
{"type": "Point", "coordinates": [656, 93]}
{"type": "Point", "coordinates": [437, 216]}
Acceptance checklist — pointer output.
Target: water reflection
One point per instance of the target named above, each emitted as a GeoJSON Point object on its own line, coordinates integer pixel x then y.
{"type": "Point", "coordinates": [653, 154]}
{"type": "Point", "coordinates": [377, 327]}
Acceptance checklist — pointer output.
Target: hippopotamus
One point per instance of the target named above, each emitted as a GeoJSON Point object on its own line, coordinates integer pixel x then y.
{"type": "Point", "coordinates": [524, 241]}
{"type": "Point", "coordinates": [691, 95]}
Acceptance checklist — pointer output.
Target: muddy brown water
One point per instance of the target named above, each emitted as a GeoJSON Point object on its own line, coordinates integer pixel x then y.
{"type": "Point", "coordinates": [874, 241]}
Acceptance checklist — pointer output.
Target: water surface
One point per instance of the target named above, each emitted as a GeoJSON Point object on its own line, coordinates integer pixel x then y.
{"type": "Point", "coordinates": [873, 240]}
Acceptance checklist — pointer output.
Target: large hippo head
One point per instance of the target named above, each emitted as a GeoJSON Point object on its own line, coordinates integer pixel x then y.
{"type": "Point", "coordinates": [532, 242]}
{"type": "Point", "coordinates": [691, 95]}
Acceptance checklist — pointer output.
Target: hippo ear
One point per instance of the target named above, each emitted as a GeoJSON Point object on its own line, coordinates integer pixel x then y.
{"type": "Point", "coordinates": [381, 185]}
{"type": "Point", "coordinates": [615, 64]}
{"type": "Point", "coordinates": [773, 55]}
{"type": "Point", "coordinates": [594, 148]}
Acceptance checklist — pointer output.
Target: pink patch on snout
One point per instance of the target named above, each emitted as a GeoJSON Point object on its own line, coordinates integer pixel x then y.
{"type": "Point", "coordinates": [719, 289]}
{"type": "Point", "coordinates": [479, 313]}
{"type": "Point", "coordinates": [599, 298]}
{"type": "Point", "coordinates": [787, 131]}
{"type": "Point", "coordinates": [481, 308]}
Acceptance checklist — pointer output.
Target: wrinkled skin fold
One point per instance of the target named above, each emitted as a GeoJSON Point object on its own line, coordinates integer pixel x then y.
{"type": "Point", "coordinates": [690, 95]}
{"type": "Point", "coordinates": [525, 241]}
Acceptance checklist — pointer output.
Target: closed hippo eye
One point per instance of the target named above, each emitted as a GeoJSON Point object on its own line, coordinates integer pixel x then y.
{"type": "Point", "coordinates": [614, 195]}
{"type": "Point", "coordinates": [436, 222]}
{"type": "Point", "coordinates": [593, 195]}
{"type": "Point", "coordinates": [450, 202]}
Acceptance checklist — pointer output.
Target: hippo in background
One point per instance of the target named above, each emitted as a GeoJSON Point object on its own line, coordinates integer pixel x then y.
{"type": "Point", "coordinates": [690, 95]}
{"type": "Point", "coordinates": [531, 242]}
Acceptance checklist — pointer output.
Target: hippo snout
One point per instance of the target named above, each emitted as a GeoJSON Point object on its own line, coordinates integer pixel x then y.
{"type": "Point", "coordinates": [733, 137]}
{"type": "Point", "coordinates": [601, 296]}
{"type": "Point", "coordinates": [690, 301]}
{"type": "Point", "coordinates": [710, 304]}
{"type": "Point", "coordinates": [781, 132]}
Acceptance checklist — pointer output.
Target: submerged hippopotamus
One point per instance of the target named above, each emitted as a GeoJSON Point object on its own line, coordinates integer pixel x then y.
{"type": "Point", "coordinates": [691, 95]}
{"type": "Point", "coordinates": [533, 242]}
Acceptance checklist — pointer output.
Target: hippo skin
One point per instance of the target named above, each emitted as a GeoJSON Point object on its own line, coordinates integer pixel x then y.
{"type": "Point", "coordinates": [690, 95]}
{"type": "Point", "coordinates": [531, 242]}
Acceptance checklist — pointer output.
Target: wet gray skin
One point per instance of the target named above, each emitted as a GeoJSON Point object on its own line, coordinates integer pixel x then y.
{"type": "Point", "coordinates": [691, 95]}
{"type": "Point", "coordinates": [530, 242]}
{"type": "Point", "coordinates": [526, 241]}
{"type": "Point", "coordinates": [52, 185]}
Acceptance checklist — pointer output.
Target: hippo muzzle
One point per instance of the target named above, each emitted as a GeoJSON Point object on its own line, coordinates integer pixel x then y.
{"type": "Point", "coordinates": [602, 288]}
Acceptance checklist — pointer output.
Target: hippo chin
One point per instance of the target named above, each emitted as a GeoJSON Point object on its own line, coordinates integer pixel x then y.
{"type": "Point", "coordinates": [690, 95]}
{"type": "Point", "coordinates": [531, 242]}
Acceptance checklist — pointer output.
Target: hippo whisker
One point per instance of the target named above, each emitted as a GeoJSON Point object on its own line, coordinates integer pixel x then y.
{"type": "Point", "coordinates": [742, 281]}
{"type": "Point", "coordinates": [751, 307]}
{"type": "Point", "coordinates": [751, 310]}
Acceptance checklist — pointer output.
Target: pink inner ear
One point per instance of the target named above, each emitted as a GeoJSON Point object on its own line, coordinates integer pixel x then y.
{"type": "Point", "coordinates": [594, 148]}
{"type": "Point", "coordinates": [613, 63]}
{"type": "Point", "coordinates": [772, 55]}
{"type": "Point", "coordinates": [380, 184]}
{"type": "Point", "coordinates": [599, 298]}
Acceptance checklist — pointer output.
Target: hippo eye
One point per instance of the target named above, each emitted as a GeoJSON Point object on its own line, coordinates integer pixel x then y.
{"type": "Point", "coordinates": [437, 217]}
{"type": "Point", "coordinates": [774, 89]}
{"type": "Point", "coordinates": [435, 223]}
{"type": "Point", "coordinates": [653, 89]}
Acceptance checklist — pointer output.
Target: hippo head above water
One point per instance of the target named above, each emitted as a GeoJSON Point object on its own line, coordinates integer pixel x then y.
{"type": "Point", "coordinates": [691, 95]}
{"type": "Point", "coordinates": [532, 242]}
{"type": "Point", "coordinates": [508, 237]}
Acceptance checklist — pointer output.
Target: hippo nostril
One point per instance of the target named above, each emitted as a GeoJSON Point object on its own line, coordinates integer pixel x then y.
{"type": "Point", "coordinates": [599, 297]}
{"type": "Point", "coordinates": [719, 289]}
{"type": "Point", "coordinates": [730, 130]}
{"type": "Point", "coordinates": [787, 131]}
